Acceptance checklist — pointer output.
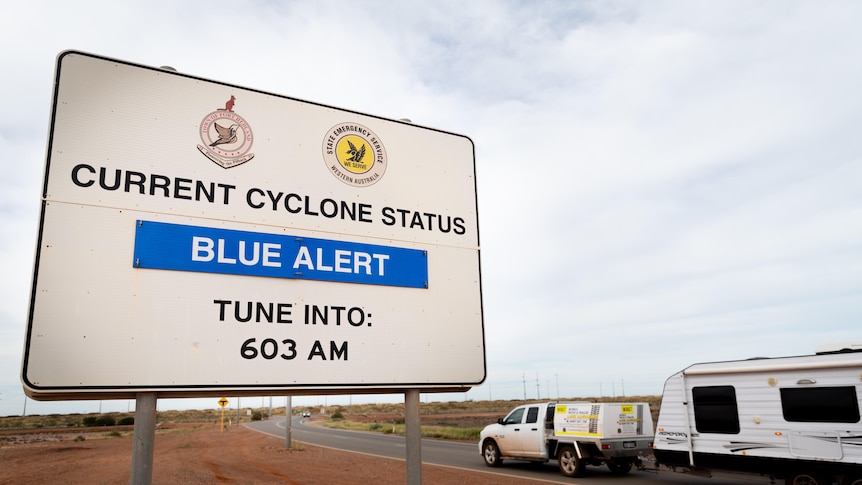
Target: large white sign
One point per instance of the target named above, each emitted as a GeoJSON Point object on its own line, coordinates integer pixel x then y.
{"type": "Point", "coordinates": [198, 237]}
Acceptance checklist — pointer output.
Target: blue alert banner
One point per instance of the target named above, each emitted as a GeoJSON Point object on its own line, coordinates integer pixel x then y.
{"type": "Point", "coordinates": [179, 247]}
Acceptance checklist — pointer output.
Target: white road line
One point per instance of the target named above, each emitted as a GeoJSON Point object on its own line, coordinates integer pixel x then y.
{"type": "Point", "coordinates": [470, 470]}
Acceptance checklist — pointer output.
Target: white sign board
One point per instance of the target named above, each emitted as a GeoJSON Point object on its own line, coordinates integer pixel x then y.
{"type": "Point", "coordinates": [198, 237]}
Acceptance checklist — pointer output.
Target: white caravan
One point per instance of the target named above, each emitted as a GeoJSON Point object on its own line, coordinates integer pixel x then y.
{"type": "Point", "coordinates": [792, 417]}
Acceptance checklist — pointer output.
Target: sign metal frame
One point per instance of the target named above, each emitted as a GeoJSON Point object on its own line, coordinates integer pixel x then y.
{"type": "Point", "coordinates": [263, 169]}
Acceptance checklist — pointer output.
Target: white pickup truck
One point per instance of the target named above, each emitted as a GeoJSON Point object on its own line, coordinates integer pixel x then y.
{"type": "Point", "coordinates": [576, 434]}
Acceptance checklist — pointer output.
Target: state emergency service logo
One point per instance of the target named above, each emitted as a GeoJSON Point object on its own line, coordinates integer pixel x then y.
{"type": "Point", "coordinates": [354, 154]}
{"type": "Point", "coordinates": [226, 137]}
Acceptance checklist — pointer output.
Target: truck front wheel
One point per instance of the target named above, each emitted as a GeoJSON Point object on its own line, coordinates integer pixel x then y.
{"type": "Point", "coordinates": [491, 454]}
{"type": "Point", "coordinates": [570, 464]}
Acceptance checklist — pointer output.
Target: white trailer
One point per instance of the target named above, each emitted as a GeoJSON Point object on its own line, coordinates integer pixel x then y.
{"type": "Point", "coordinates": [575, 434]}
{"type": "Point", "coordinates": [795, 418]}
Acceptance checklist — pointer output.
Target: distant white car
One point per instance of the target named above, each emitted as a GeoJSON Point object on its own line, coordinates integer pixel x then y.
{"type": "Point", "coordinates": [306, 414]}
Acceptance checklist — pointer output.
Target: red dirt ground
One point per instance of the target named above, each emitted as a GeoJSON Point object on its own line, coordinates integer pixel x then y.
{"type": "Point", "coordinates": [201, 454]}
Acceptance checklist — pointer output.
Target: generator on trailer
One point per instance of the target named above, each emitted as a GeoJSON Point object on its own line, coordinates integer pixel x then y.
{"type": "Point", "coordinates": [795, 418]}
{"type": "Point", "coordinates": [575, 434]}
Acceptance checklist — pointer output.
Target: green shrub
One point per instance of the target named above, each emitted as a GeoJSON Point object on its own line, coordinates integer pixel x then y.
{"type": "Point", "coordinates": [337, 415]}
{"type": "Point", "coordinates": [127, 421]}
{"type": "Point", "coordinates": [89, 421]}
{"type": "Point", "coordinates": [256, 416]}
{"type": "Point", "coordinates": [105, 421]}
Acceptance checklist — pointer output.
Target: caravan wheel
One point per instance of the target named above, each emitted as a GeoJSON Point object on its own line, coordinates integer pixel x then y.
{"type": "Point", "coordinates": [854, 480]}
{"type": "Point", "coordinates": [806, 479]}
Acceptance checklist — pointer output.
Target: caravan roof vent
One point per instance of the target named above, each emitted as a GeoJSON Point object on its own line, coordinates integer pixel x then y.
{"type": "Point", "coordinates": [838, 348]}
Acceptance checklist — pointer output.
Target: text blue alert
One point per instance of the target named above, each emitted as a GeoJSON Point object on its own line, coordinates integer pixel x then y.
{"type": "Point", "coordinates": [179, 247]}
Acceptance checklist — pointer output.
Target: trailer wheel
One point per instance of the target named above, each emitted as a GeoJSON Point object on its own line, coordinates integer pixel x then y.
{"type": "Point", "coordinates": [491, 454]}
{"type": "Point", "coordinates": [570, 464]}
{"type": "Point", "coordinates": [806, 479]}
{"type": "Point", "coordinates": [852, 480]}
{"type": "Point", "coordinates": [619, 467]}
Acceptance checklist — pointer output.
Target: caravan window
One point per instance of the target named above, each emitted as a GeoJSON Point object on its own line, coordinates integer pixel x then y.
{"type": "Point", "coordinates": [820, 404]}
{"type": "Point", "coordinates": [715, 409]}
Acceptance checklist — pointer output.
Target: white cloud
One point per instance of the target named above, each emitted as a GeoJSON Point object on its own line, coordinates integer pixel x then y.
{"type": "Point", "coordinates": [659, 183]}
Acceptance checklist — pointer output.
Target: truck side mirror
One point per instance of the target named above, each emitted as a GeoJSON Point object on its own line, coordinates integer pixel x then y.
{"type": "Point", "coordinates": [500, 421]}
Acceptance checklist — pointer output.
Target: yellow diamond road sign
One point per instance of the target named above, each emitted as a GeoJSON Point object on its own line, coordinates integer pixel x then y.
{"type": "Point", "coordinates": [222, 402]}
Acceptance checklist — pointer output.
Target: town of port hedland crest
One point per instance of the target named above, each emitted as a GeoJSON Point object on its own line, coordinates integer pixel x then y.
{"type": "Point", "coordinates": [226, 137]}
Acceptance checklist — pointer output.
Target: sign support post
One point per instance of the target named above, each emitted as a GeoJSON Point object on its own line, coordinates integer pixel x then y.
{"type": "Point", "coordinates": [414, 437]}
{"type": "Point", "coordinates": [288, 413]}
{"type": "Point", "coordinates": [144, 439]}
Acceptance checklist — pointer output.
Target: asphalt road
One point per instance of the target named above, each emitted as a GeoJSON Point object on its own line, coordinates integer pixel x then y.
{"type": "Point", "coordinates": [466, 456]}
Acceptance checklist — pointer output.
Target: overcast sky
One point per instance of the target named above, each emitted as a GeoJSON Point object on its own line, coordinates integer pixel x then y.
{"type": "Point", "coordinates": [659, 182]}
